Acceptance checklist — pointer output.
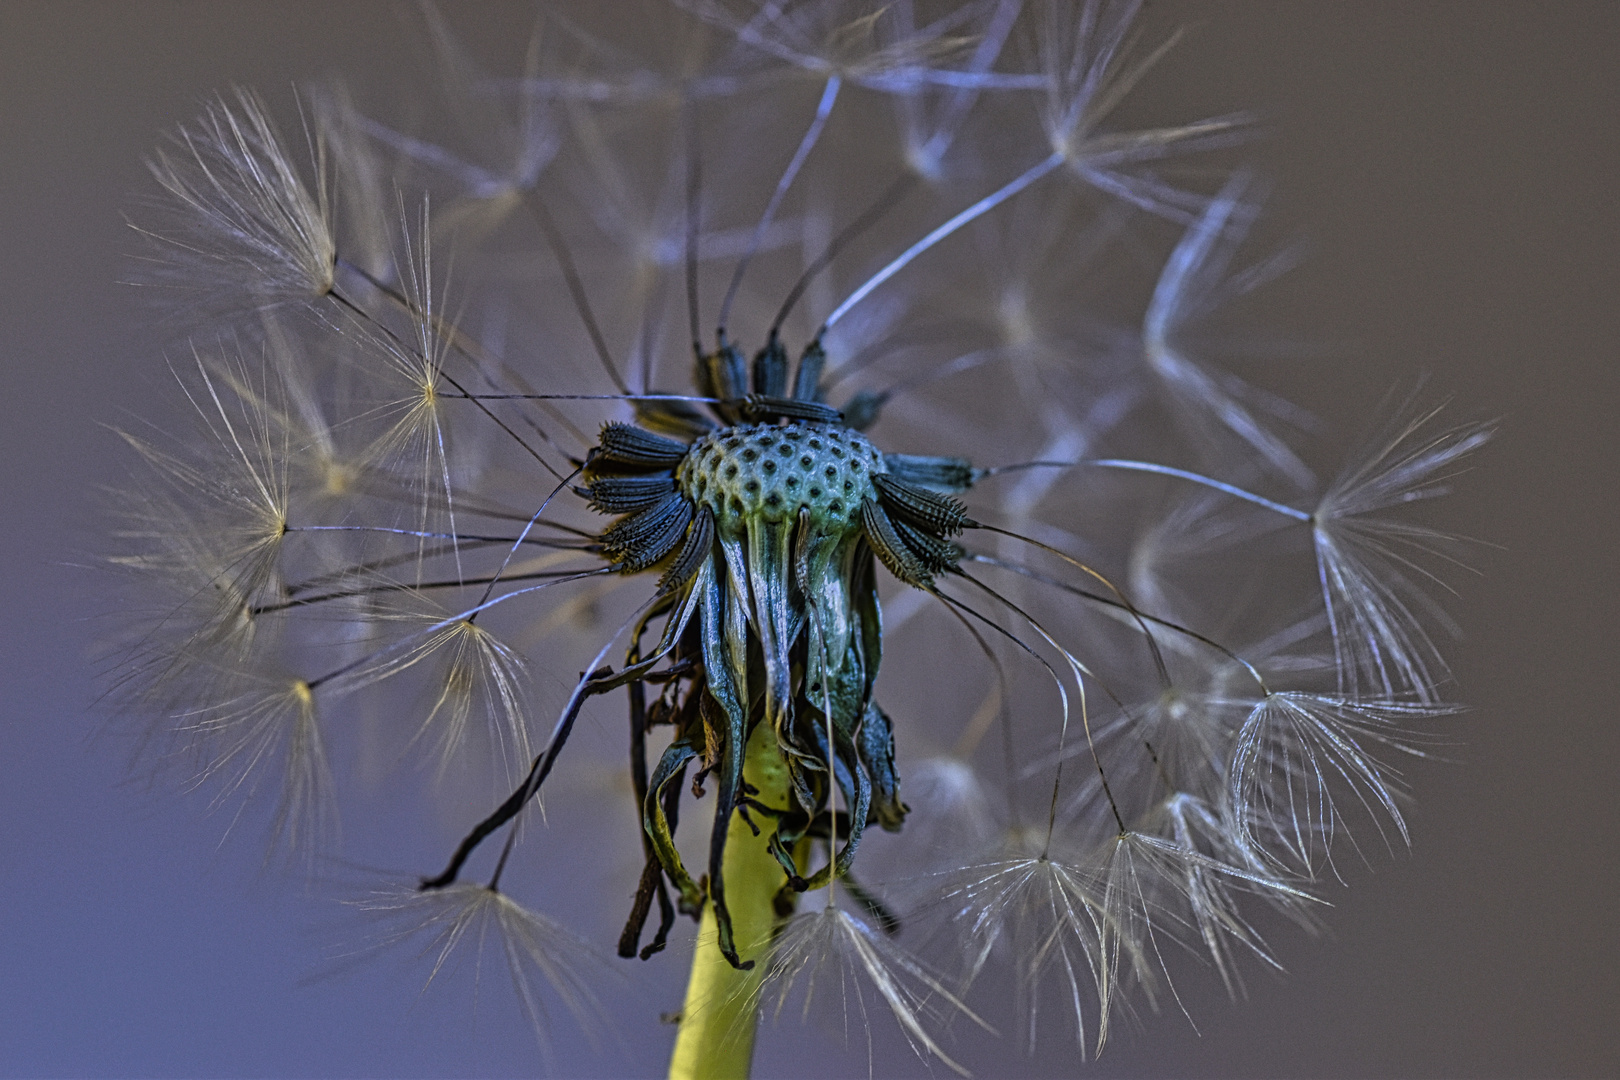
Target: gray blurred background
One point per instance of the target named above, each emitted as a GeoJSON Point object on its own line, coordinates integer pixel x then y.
{"type": "Point", "coordinates": [1454, 169]}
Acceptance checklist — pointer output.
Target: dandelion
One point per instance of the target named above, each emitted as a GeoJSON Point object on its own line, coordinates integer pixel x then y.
{"type": "Point", "coordinates": [718, 366]}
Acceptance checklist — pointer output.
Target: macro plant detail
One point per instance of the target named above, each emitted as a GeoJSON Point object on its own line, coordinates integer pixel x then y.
{"type": "Point", "coordinates": [459, 407]}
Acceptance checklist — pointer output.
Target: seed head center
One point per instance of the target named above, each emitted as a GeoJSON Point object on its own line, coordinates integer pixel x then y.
{"type": "Point", "coordinates": [768, 472]}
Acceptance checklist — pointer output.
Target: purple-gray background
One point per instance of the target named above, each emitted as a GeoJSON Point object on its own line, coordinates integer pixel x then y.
{"type": "Point", "coordinates": [1454, 166]}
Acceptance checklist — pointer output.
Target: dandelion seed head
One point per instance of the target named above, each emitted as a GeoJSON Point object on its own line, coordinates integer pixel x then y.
{"type": "Point", "coordinates": [760, 369]}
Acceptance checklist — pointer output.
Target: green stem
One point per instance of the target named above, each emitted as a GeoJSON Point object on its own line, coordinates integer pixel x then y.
{"type": "Point", "coordinates": [716, 1040]}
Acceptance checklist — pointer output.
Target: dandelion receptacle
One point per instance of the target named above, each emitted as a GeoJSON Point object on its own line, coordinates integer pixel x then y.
{"type": "Point", "coordinates": [697, 363]}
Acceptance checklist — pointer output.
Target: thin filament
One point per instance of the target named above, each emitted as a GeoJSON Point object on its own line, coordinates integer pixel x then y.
{"type": "Point", "coordinates": [978, 209]}
{"type": "Point", "coordinates": [828, 96]}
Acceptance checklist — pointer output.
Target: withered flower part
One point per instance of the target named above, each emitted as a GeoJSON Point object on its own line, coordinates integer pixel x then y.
{"type": "Point", "coordinates": [765, 529]}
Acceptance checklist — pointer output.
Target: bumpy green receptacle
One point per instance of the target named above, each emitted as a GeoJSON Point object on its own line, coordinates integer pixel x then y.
{"type": "Point", "coordinates": [769, 473]}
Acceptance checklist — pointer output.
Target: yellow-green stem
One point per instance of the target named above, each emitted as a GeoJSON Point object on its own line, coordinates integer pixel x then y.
{"type": "Point", "coordinates": [716, 1039]}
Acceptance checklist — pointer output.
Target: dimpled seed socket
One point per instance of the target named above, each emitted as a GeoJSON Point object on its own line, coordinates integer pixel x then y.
{"type": "Point", "coordinates": [770, 473]}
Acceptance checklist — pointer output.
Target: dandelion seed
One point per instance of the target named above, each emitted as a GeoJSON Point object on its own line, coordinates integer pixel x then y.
{"type": "Point", "coordinates": [247, 230]}
{"type": "Point", "coordinates": [1085, 55]}
{"type": "Point", "coordinates": [1209, 869]}
{"type": "Point", "coordinates": [205, 532]}
{"type": "Point", "coordinates": [517, 143]}
{"type": "Point", "coordinates": [952, 809]}
{"type": "Point", "coordinates": [1295, 749]}
{"type": "Point", "coordinates": [1368, 560]}
{"type": "Point", "coordinates": [833, 953]}
{"type": "Point", "coordinates": [255, 725]}
{"type": "Point", "coordinates": [471, 671]}
{"type": "Point", "coordinates": [538, 952]}
{"type": "Point", "coordinates": [1048, 917]}
{"type": "Point", "coordinates": [362, 193]}
{"type": "Point", "coordinates": [848, 40]}
{"type": "Point", "coordinates": [1190, 285]}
